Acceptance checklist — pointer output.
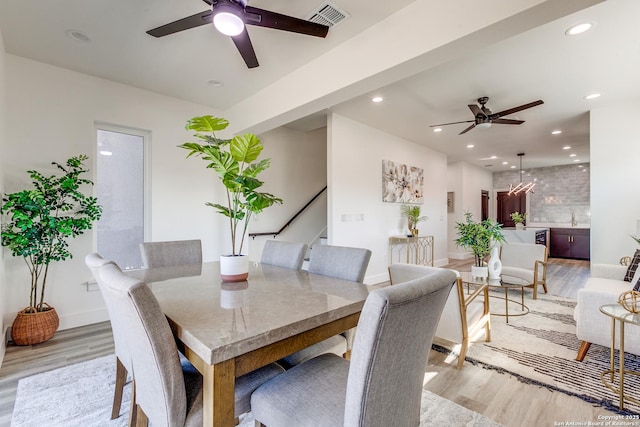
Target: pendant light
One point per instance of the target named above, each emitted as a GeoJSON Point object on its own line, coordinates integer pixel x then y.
{"type": "Point", "coordinates": [517, 189]}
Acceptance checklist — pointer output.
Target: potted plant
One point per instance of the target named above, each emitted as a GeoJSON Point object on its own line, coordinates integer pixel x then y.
{"type": "Point", "coordinates": [479, 238]}
{"type": "Point", "coordinates": [412, 213]}
{"type": "Point", "coordinates": [519, 219]}
{"type": "Point", "coordinates": [41, 221]}
{"type": "Point", "coordinates": [236, 163]}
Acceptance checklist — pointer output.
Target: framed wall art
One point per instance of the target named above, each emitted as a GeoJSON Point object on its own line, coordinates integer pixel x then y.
{"type": "Point", "coordinates": [402, 183]}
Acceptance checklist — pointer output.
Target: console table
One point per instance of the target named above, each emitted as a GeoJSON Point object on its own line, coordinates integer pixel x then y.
{"type": "Point", "coordinates": [411, 249]}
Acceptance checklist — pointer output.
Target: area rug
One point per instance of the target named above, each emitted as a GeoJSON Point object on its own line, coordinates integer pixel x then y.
{"type": "Point", "coordinates": [81, 395]}
{"type": "Point", "coordinates": [540, 348]}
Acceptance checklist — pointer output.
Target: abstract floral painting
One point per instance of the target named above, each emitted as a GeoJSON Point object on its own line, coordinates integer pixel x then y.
{"type": "Point", "coordinates": [401, 183]}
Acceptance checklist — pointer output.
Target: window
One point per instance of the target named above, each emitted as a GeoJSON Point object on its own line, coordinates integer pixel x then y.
{"type": "Point", "coordinates": [120, 188]}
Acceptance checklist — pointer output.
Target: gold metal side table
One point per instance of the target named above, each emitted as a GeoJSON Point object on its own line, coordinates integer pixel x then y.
{"type": "Point", "coordinates": [618, 313]}
{"type": "Point", "coordinates": [411, 249]}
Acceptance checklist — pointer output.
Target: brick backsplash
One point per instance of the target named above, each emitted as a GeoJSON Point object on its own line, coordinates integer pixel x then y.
{"type": "Point", "coordinates": [559, 191]}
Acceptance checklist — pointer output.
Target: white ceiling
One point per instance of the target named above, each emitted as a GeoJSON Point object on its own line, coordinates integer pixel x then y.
{"type": "Point", "coordinates": [540, 64]}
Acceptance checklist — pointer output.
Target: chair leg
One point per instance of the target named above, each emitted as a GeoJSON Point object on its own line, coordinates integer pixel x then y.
{"type": "Point", "coordinates": [347, 355]}
{"type": "Point", "coordinates": [259, 424]}
{"type": "Point", "coordinates": [133, 408]}
{"type": "Point", "coordinates": [463, 352]}
{"type": "Point", "coordinates": [141, 418]}
{"type": "Point", "coordinates": [582, 351]}
{"type": "Point", "coordinates": [121, 379]}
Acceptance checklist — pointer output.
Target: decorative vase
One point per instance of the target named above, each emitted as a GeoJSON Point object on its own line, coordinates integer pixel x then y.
{"type": "Point", "coordinates": [234, 268]}
{"type": "Point", "coordinates": [414, 232]}
{"type": "Point", "coordinates": [479, 272]}
{"type": "Point", "coordinates": [494, 265]}
{"type": "Point", "coordinates": [519, 226]}
{"type": "Point", "coordinates": [34, 328]}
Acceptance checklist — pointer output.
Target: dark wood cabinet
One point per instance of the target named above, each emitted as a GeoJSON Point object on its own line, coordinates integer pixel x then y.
{"type": "Point", "coordinates": [572, 243]}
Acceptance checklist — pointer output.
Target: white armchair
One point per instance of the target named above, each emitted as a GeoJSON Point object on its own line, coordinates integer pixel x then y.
{"type": "Point", "coordinates": [526, 261]}
{"type": "Point", "coordinates": [603, 287]}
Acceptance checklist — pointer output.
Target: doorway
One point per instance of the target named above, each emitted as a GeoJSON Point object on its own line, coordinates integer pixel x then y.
{"type": "Point", "coordinates": [506, 205]}
{"type": "Point", "coordinates": [484, 204]}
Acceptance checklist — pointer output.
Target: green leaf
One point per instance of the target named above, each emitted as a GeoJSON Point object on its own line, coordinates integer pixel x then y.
{"type": "Point", "coordinates": [207, 124]}
{"type": "Point", "coordinates": [245, 148]}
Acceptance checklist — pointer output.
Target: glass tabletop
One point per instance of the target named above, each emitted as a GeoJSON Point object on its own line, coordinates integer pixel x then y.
{"type": "Point", "coordinates": [620, 313]}
{"type": "Point", "coordinates": [502, 282]}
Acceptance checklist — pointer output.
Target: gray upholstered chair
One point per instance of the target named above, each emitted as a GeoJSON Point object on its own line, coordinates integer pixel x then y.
{"type": "Point", "coordinates": [382, 384]}
{"type": "Point", "coordinates": [176, 252]}
{"type": "Point", "coordinates": [168, 389]}
{"type": "Point", "coordinates": [283, 254]}
{"type": "Point", "coordinates": [343, 263]}
{"type": "Point", "coordinates": [123, 358]}
{"type": "Point", "coordinates": [465, 314]}
{"type": "Point", "coordinates": [526, 261]}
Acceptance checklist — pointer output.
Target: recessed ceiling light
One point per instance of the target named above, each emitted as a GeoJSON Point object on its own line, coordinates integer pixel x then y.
{"type": "Point", "coordinates": [470, 146]}
{"type": "Point", "coordinates": [78, 36]}
{"type": "Point", "coordinates": [592, 96]}
{"type": "Point", "coordinates": [105, 153]}
{"type": "Point", "coordinates": [215, 83]}
{"type": "Point", "coordinates": [576, 160]}
{"type": "Point", "coordinates": [566, 147]}
{"type": "Point", "coordinates": [377, 99]}
{"type": "Point", "coordinates": [572, 155]}
{"type": "Point", "coordinates": [579, 29]}
{"type": "Point", "coordinates": [493, 157]}
{"type": "Point", "coordinates": [513, 166]}
{"type": "Point", "coordinates": [580, 166]}
{"type": "Point", "coordinates": [505, 163]}
{"type": "Point", "coordinates": [556, 132]}
{"type": "Point", "coordinates": [437, 130]}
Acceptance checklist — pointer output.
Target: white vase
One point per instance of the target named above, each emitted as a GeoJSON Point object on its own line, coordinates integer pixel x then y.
{"type": "Point", "coordinates": [479, 272]}
{"type": "Point", "coordinates": [234, 268]}
{"type": "Point", "coordinates": [519, 226]}
{"type": "Point", "coordinates": [494, 265]}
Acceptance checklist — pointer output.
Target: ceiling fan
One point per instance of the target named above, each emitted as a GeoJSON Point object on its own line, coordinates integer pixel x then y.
{"type": "Point", "coordinates": [484, 117]}
{"type": "Point", "coordinates": [230, 18]}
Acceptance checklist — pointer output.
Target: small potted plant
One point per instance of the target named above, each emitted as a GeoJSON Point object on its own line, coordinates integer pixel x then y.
{"type": "Point", "coordinates": [236, 163]}
{"type": "Point", "coordinates": [412, 213]}
{"type": "Point", "coordinates": [40, 223]}
{"type": "Point", "coordinates": [519, 219]}
{"type": "Point", "coordinates": [479, 238]}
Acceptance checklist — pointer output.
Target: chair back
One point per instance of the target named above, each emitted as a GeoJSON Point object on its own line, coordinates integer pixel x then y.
{"type": "Point", "coordinates": [176, 252]}
{"type": "Point", "coordinates": [522, 255]}
{"type": "Point", "coordinates": [391, 348]}
{"type": "Point", "coordinates": [283, 254]}
{"type": "Point", "coordinates": [95, 262]}
{"type": "Point", "coordinates": [159, 382]}
{"type": "Point", "coordinates": [340, 262]}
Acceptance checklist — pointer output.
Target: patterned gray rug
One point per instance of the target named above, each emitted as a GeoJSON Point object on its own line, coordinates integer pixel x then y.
{"type": "Point", "coordinates": [540, 348]}
{"type": "Point", "coordinates": [81, 395]}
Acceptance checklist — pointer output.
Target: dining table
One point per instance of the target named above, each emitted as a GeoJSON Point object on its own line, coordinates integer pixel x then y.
{"type": "Point", "coordinates": [228, 329]}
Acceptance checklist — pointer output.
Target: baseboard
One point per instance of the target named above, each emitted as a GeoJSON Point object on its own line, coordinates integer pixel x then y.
{"type": "Point", "coordinates": [376, 278]}
{"type": "Point", "coordinates": [460, 255]}
{"type": "Point", "coordinates": [441, 262]}
{"type": "Point", "coordinates": [83, 318]}
{"type": "Point", "coordinates": [3, 343]}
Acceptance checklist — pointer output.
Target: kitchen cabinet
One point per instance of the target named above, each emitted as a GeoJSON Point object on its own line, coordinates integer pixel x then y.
{"type": "Point", "coordinates": [572, 243]}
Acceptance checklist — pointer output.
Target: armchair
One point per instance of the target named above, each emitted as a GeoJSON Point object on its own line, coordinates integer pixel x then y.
{"type": "Point", "coordinates": [527, 261]}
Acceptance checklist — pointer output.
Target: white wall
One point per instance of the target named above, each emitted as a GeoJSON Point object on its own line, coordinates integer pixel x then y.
{"type": "Point", "coordinates": [615, 205]}
{"type": "Point", "coordinates": [467, 182]}
{"type": "Point", "coordinates": [52, 117]}
{"type": "Point", "coordinates": [355, 153]}
{"type": "Point", "coordinates": [3, 142]}
{"type": "Point", "coordinates": [298, 171]}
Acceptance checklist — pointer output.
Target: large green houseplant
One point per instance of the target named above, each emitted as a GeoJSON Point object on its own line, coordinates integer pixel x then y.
{"type": "Point", "coordinates": [478, 237]}
{"type": "Point", "coordinates": [236, 163]}
{"type": "Point", "coordinates": [40, 222]}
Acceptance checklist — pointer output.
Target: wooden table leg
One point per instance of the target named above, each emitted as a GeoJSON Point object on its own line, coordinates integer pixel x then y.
{"type": "Point", "coordinates": [218, 394]}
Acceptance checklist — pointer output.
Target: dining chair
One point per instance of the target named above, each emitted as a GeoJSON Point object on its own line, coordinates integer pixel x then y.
{"type": "Point", "coordinates": [283, 254]}
{"type": "Point", "coordinates": [465, 314]}
{"type": "Point", "coordinates": [382, 383]}
{"type": "Point", "coordinates": [174, 252]}
{"type": "Point", "coordinates": [526, 261]}
{"type": "Point", "coordinates": [123, 358]}
{"type": "Point", "coordinates": [168, 388]}
{"type": "Point", "coordinates": [342, 263]}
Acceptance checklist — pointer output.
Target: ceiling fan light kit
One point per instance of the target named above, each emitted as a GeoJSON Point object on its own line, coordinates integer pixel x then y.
{"type": "Point", "coordinates": [228, 23]}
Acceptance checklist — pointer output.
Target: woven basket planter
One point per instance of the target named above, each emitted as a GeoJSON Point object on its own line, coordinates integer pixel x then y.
{"type": "Point", "coordinates": [34, 328]}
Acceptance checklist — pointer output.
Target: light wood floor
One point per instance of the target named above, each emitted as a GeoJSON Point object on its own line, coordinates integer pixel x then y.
{"type": "Point", "coordinates": [500, 397]}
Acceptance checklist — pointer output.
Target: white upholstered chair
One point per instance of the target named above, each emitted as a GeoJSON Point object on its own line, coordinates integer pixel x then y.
{"type": "Point", "coordinates": [283, 254]}
{"type": "Point", "coordinates": [343, 263]}
{"type": "Point", "coordinates": [168, 389]}
{"type": "Point", "coordinates": [382, 383]}
{"type": "Point", "coordinates": [175, 252]}
{"type": "Point", "coordinates": [526, 261]}
{"type": "Point", "coordinates": [465, 314]}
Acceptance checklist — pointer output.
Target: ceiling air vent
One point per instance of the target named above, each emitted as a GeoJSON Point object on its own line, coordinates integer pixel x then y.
{"type": "Point", "coordinates": [327, 14]}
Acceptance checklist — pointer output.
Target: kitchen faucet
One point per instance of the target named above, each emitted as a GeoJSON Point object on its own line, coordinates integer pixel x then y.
{"type": "Point", "coordinates": [573, 219]}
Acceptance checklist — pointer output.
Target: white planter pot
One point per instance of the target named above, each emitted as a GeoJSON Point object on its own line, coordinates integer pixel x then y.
{"type": "Point", "coordinates": [234, 268]}
{"type": "Point", "coordinates": [479, 272]}
{"type": "Point", "coordinates": [519, 226]}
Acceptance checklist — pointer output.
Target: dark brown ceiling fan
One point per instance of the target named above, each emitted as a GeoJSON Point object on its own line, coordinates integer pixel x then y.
{"type": "Point", "coordinates": [484, 118]}
{"type": "Point", "coordinates": [231, 17]}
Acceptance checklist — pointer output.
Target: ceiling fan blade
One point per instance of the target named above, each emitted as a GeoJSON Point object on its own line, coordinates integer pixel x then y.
{"type": "Point", "coordinates": [507, 121]}
{"type": "Point", "coordinates": [516, 109]}
{"type": "Point", "coordinates": [476, 110]}
{"type": "Point", "coordinates": [192, 21]}
{"type": "Point", "coordinates": [452, 123]}
{"type": "Point", "coordinates": [266, 18]}
{"type": "Point", "coordinates": [467, 129]}
{"type": "Point", "coordinates": [243, 43]}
